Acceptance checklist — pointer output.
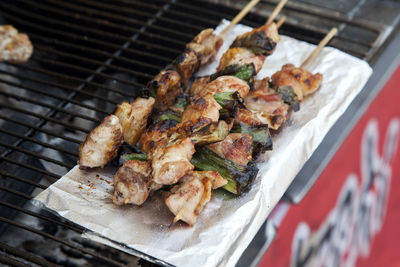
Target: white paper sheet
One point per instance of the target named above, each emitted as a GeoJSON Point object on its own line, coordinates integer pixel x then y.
{"type": "Point", "coordinates": [227, 225]}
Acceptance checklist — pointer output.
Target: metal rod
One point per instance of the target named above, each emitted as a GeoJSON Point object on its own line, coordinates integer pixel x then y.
{"type": "Point", "coordinates": [20, 179]}
{"type": "Point", "coordinates": [61, 241]}
{"type": "Point", "coordinates": [26, 255]}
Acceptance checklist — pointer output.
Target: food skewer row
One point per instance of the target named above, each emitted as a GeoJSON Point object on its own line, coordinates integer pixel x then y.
{"type": "Point", "coordinates": [180, 201]}
{"type": "Point", "coordinates": [101, 145]}
{"type": "Point", "coordinates": [170, 157]}
{"type": "Point", "coordinates": [132, 181]}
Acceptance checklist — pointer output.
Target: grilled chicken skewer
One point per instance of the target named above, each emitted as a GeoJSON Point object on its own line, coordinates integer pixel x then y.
{"type": "Point", "coordinates": [289, 86]}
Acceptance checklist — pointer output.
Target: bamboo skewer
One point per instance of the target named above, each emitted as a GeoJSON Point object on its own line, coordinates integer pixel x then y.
{"type": "Point", "coordinates": [321, 45]}
{"type": "Point", "coordinates": [276, 11]}
{"type": "Point", "coordinates": [280, 22]}
{"type": "Point", "coordinates": [240, 16]}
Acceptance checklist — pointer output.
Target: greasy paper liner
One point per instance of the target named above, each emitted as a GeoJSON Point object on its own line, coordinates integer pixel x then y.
{"type": "Point", "coordinates": [227, 224]}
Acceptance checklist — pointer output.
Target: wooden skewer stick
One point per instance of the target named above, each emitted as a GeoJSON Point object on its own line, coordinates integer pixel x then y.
{"type": "Point", "coordinates": [239, 16]}
{"type": "Point", "coordinates": [321, 45]}
{"type": "Point", "coordinates": [280, 22]}
{"type": "Point", "coordinates": [276, 11]}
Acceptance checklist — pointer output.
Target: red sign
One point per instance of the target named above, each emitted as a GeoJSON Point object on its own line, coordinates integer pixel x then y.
{"type": "Point", "coordinates": [351, 216]}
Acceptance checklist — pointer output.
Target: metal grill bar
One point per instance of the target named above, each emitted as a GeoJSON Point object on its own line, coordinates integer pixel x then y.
{"type": "Point", "coordinates": [24, 255]}
{"type": "Point", "coordinates": [121, 69]}
{"type": "Point", "coordinates": [37, 155]}
{"type": "Point", "coordinates": [12, 191]}
{"type": "Point", "coordinates": [10, 261]}
{"type": "Point", "coordinates": [30, 88]}
{"type": "Point", "coordinates": [100, 21]}
{"type": "Point", "coordinates": [32, 140]}
{"type": "Point", "coordinates": [29, 100]}
{"type": "Point", "coordinates": [101, 52]}
{"type": "Point", "coordinates": [82, 28]}
{"type": "Point", "coordinates": [37, 215]}
{"type": "Point", "coordinates": [131, 11]}
{"type": "Point", "coordinates": [58, 85]}
{"type": "Point", "coordinates": [39, 129]}
{"type": "Point", "coordinates": [61, 241]}
{"type": "Point", "coordinates": [12, 176]}
{"type": "Point", "coordinates": [85, 38]}
{"type": "Point", "coordinates": [81, 81]}
{"type": "Point", "coordinates": [66, 124]}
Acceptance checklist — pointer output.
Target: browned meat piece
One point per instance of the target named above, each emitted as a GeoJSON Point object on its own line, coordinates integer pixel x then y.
{"type": "Point", "coordinates": [131, 183]}
{"type": "Point", "coordinates": [206, 44]}
{"type": "Point", "coordinates": [187, 199]}
{"type": "Point", "coordinates": [198, 85]}
{"type": "Point", "coordinates": [225, 84]}
{"type": "Point", "coordinates": [133, 118]}
{"type": "Point", "coordinates": [172, 162]}
{"type": "Point", "coordinates": [216, 179]}
{"type": "Point", "coordinates": [168, 86]}
{"type": "Point", "coordinates": [102, 143]}
{"type": "Point", "coordinates": [14, 47]}
{"type": "Point", "coordinates": [205, 108]}
{"type": "Point", "coordinates": [261, 41]}
{"type": "Point", "coordinates": [235, 147]}
{"type": "Point", "coordinates": [155, 136]}
{"type": "Point", "coordinates": [302, 81]}
{"type": "Point", "coordinates": [264, 106]}
{"type": "Point", "coordinates": [241, 56]}
{"type": "Point", "coordinates": [187, 64]}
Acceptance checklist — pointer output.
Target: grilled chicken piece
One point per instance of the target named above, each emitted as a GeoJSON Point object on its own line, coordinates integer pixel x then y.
{"type": "Point", "coordinates": [235, 147]}
{"type": "Point", "coordinates": [263, 106]}
{"type": "Point", "coordinates": [131, 183]}
{"type": "Point", "coordinates": [240, 56]}
{"type": "Point", "coordinates": [206, 44]}
{"type": "Point", "coordinates": [224, 84]}
{"type": "Point", "coordinates": [172, 162]}
{"type": "Point", "coordinates": [302, 81]}
{"type": "Point", "coordinates": [14, 47]}
{"type": "Point", "coordinates": [187, 64]}
{"type": "Point", "coordinates": [260, 40]}
{"type": "Point", "coordinates": [102, 143]}
{"type": "Point", "coordinates": [198, 85]}
{"type": "Point", "coordinates": [203, 108]}
{"type": "Point", "coordinates": [156, 135]}
{"type": "Point", "coordinates": [133, 118]}
{"type": "Point", "coordinates": [187, 199]}
{"type": "Point", "coordinates": [168, 86]}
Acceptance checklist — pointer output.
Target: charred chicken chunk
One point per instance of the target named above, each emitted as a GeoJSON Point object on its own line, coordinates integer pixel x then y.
{"type": "Point", "coordinates": [102, 143]}
{"type": "Point", "coordinates": [205, 107]}
{"type": "Point", "coordinates": [187, 64]}
{"type": "Point", "coordinates": [172, 162]}
{"type": "Point", "coordinates": [14, 47]}
{"type": "Point", "coordinates": [187, 199]}
{"type": "Point", "coordinates": [133, 118]}
{"type": "Point", "coordinates": [302, 81]}
{"type": "Point", "coordinates": [235, 147]}
{"type": "Point", "coordinates": [198, 85]}
{"type": "Point", "coordinates": [263, 106]}
{"type": "Point", "coordinates": [168, 86]}
{"type": "Point", "coordinates": [156, 135]}
{"type": "Point", "coordinates": [240, 56]}
{"type": "Point", "coordinates": [224, 84]}
{"type": "Point", "coordinates": [261, 41]}
{"type": "Point", "coordinates": [131, 183]}
{"type": "Point", "coordinates": [206, 44]}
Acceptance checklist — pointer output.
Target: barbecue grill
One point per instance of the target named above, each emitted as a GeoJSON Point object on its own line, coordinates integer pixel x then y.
{"type": "Point", "coordinates": [89, 55]}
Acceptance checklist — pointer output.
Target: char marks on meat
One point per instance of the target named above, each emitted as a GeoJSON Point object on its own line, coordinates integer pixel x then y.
{"type": "Point", "coordinates": [302, 81]}
{"type": "Point", "coordinates": [133, 118]}
{"type": "Point", "coordinates": [187, 199]}
{"type": "Point", "coordinates": [102, 143]}
{"type": "Point", "coordinates": [235, 147]}
{"type": "Point", "coordinates": [131, 183]}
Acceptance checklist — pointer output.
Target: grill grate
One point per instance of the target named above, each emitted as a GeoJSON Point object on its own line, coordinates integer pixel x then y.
{"type": "Point", "coordinates": [89, 55]}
